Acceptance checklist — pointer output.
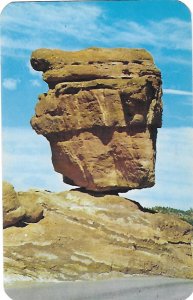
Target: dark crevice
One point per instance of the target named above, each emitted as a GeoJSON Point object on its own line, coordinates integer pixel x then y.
{"type": "Point", "coordinates": [40, 64]}
{"type": "Point", "coordinates": [69, 181]}
{"type": "Point", "coordinates": [144, 209]}
{"type": "Point", "coordinates": [57, 112]}
{"type": "Point", "coordinates": [75, 90]}
{"type": "Point", "coordinates": [69, 90]}
{"type": "Point", "coordinates": [126, 72]}
{"type": "Point", "coordinates": [76, 63]}
{"type": "Point", "coordinates": [153, 135]}
{"type": "Point", "coordinates": [105, 135]}
{"type": "Point", "coordinates": [125, 107]}
{"type": "Point", "coordinates": [178, 243]}
{"type": "Point", "coordinates": [136, 61]}
{"type": "Point", "coordinates": [96, 193]}
{"type": "Point", "coordinates": [76, 79]}
{"type": "Point", "coordinates": [25, 222]}
{"type": "Point", "coordinates": [21, 223]}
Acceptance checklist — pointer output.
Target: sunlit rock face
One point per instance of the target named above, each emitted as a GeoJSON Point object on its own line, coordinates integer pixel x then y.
{"type": "Point", "coordinates": [100, 115]}
{"type": "Point", "coordinates": [12, 210]}
{"type": "Point", "coordinates": [83, 236]}
{"type": "Point", "coordinates": [18, 209]}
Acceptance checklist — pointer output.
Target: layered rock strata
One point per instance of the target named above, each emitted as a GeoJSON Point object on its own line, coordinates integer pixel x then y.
{"type": "Point", "coordinates": [83, 236]}
{"type": "Point", "coordinates": [100, 115]}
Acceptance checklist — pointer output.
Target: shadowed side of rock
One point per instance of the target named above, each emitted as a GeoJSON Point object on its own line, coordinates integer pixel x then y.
{"type": "Point", "coordinates": [100, 115]}
{"type": "Point", "coordinates": [83, 237]}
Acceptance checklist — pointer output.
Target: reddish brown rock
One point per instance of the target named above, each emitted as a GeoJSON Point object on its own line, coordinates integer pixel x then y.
{"type": "Point", "coordinates": [100, 115]}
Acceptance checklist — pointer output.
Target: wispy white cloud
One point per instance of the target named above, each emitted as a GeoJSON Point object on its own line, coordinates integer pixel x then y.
{"type": "Point", "coordinates": [72, 25]}
{"type": "Point", "coordinates": [172, 58]}
{"type": "Point", "coordinates": [10, 83]}
{"type": "Point", "coordinates": [22, 42]}
{"type": "Point", "coordinates": [27, 164]}
{"type": "Point", "coordinates": [177, 92]}
{"type": "Point", "coordinates": [27, 161]}
{"type": "Point", "coordinates": [49, 29]}
{"type": "Point", "coordinates": [35, 82]}
{"type": "Point", "coordinates": [154, 33]}
{"type": "Point", "coordinates": [170, 33]}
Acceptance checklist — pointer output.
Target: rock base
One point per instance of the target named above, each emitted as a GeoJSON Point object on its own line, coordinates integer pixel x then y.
{"type": "Point", "coordinates": [83, 236]}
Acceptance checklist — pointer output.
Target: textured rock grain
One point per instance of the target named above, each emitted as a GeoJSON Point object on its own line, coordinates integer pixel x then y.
{"type": "Point", "coordinates": [12, 210]}
{"type": "Point", "coordinates": [18, 208]}
{"type": "Point", "coordinates": [100, 115]}
{"type": "Point", "coordinates": [33, 211]}
{"type": "Point", "coordinates": [83, 236]}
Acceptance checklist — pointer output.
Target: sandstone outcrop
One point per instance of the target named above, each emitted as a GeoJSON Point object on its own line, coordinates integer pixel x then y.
{"type": "Point", "coordinates": [83, 236]}
{"type": "Point", "coordinates": [12, 210]}
{"type": "Point", "coordinates": [33, 211]}
{"type": "Point", "coordinates": [100, 115]}
{"type": "Point", "coordinates": [18, 208]}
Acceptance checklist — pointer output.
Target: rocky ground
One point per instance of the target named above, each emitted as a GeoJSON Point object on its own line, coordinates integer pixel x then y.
{"type": "Point", "coordinates": [84, 236]}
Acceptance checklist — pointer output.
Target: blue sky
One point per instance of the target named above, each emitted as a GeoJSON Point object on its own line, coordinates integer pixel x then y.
{"type": "Point", "coordinates": [162, 27]}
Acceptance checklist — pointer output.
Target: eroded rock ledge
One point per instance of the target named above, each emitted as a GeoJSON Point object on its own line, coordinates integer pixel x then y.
{"type": "Point", "coordinates": [17, 210]}
{"type": "Point", "coordinates": [83, 236]}
{"type": "Point", "coordinates": [100, 115]}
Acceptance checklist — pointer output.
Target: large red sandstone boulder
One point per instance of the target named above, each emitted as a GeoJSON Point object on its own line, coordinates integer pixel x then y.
{"type": "Point", "coordinates": [100, 115]}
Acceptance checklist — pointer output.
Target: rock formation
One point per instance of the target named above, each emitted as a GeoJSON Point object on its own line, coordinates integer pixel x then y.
{"type": "Point", "coordinates": [100, 115]}
{"type": "Point", "coordinates": [85, 237]}
{"type": "Point", "coordinates": [12, 211]}
{"type": "Point", "coordinates": [17, 208]}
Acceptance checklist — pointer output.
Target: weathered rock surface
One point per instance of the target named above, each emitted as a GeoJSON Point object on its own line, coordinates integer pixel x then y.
{"type": "Point", "coordinates": [83, 236]}
{"type": "Point", "coordinates": [18, 208]}
{"type": "Point", "coordinates": [100, 115]}
{"type": "Point", "coordinates": [33, 211]}
{"type": "Point", "coordinates": [12, 210]}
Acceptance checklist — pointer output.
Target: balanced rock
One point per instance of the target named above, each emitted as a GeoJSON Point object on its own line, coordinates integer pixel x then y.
{"type": "Point", "coordinates": [83, 236]}
{"type": "Point", "coordinates": [100, 115]}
